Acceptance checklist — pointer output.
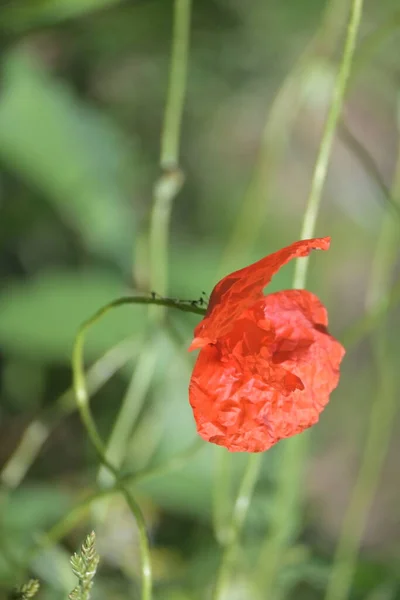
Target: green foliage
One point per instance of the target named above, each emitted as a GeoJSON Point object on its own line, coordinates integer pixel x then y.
{"type": "Point", "coordinates": [33, 508]}
{"type": "Point", "coordinates": [75, 156]}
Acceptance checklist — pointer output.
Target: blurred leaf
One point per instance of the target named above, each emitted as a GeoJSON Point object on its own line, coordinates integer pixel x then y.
{"type": "Point", "coordinates": [31, 509]}
{"type": "Point", "coordinates": [52, 566]}
{"type": "Point", "coordinates": [41, 317]}
{"type": "Point", "coordinates": [19, 14]}
{"type": "Point", "coordinates": [70, 152]}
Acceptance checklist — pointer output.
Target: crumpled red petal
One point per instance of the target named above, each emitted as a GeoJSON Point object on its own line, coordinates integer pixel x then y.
{"type": "Point", "coordinates": [239, 290]}
{"type": "Point", "coordinates": [269, 377]}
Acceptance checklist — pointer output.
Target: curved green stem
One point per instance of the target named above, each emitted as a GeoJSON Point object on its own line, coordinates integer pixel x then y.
{"type": "Point", "coordinates": [82, 398]}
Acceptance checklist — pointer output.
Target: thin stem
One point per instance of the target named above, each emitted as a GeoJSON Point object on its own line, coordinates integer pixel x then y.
{"type": "Point", "coordinates": [171, 180]}
{"type": "Point", "coordinates": [130, 408]}
{"type": "Point", "coordinates": [369, 165]}
{"type": "Point", "coordinates": [144, 547]}
{"type": "Point", "coordinates": [381, 419]}
{"type": "Point", "coordinates": [177, 85]}
{"type": "Point", "coordinates": [82, 398]}
{"type": "Point", "coordinates": [183, 305]}
{"type": "Point", "coordinates": [293, 457]}
{"type": "Point", "coordinates": [322, 162]}
{"type": "Point", "coordinates": [165, 190]}
{"type": "Point", "coordinates": [276, 134]}
{"type": "Point", "coordinates": [173, 464]}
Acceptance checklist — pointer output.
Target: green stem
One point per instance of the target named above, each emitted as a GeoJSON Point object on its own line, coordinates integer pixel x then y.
{"type": "Point", "coordinates": [144, 546]}
{"type": "Point", "coordinates": [381, 419]}
{"type": "Point", "coordinates": [288, 501]}
{"type": "Point", "coordinates": [369, 165]}
{"type": "Point", "coordinates": [322, 162]}
{"type": "Point", "coordinates": [171, 180]}
{"type": "Point", "coordinates": [276, 135]}
{"type": "Point", "coordinates": [129, 411]}
{"type": "Point", "coordinates": [82, 398]}
{"type": "Point", "coordinates": [173, 464]}
{"type": "Point", "coordinates": [177, 85]}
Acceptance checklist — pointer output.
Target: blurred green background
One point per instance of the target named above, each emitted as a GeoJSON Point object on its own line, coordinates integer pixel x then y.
{"type": "Point", "coordinates": [82, 95]}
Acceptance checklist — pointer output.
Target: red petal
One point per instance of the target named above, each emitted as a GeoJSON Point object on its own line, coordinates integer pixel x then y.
{"type": "Point", "coordinates": [239, 290]}
{"type": "Point", "coordinates": [270, 377]}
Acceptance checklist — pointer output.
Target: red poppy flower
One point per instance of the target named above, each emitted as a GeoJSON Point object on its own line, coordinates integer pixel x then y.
{"type": "Point", "coordinates": [267, 363]}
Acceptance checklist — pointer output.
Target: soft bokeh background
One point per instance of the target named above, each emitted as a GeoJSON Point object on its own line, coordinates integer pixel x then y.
{"type": "Point", "coordinates": [82, 93]}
